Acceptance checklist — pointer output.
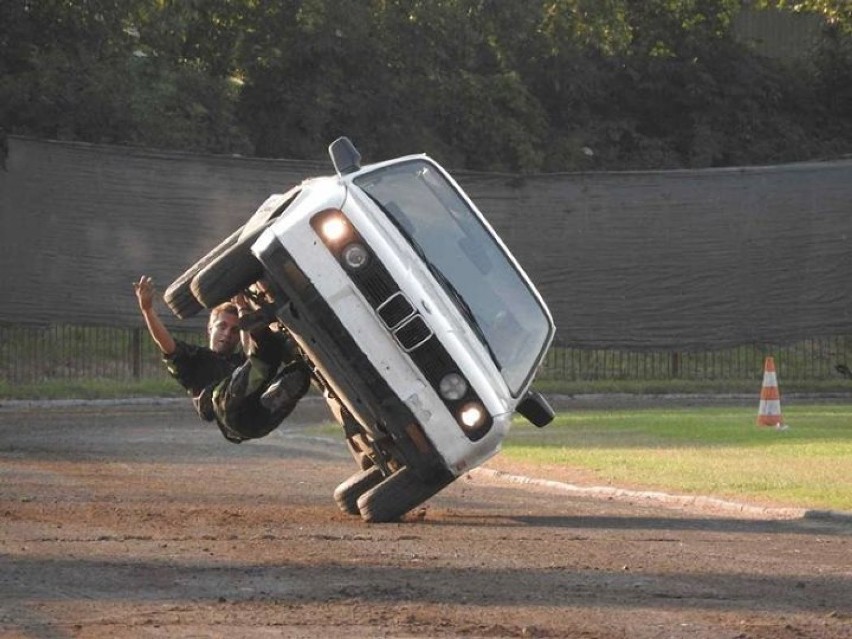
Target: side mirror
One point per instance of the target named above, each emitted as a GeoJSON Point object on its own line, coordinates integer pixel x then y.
{"type": "Point", "coordinates": [536, 409]}
{"type": "Point", "coordinates": [344, 156]}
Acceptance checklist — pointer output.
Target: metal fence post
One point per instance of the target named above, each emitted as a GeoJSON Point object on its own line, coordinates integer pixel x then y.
{"type": "Point", "coordinates": [136, 352]}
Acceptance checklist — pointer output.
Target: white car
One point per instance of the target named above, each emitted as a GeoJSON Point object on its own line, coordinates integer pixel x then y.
{"type": "Point", "coordinates": [421, 329]}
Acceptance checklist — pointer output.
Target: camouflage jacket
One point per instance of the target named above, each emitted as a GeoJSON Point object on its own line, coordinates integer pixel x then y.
{"type": "Point", "coordinates": [197, 367]}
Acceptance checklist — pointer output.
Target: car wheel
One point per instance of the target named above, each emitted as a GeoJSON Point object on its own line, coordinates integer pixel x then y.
{"type": "Point", "coordinates": [178, 295]}
{"type": "Point", "coordinates": [346, 494]}
{"type": "Point", "coordinates": [397, 494]}
{"type": "Point", "coordinates": [234, 270]}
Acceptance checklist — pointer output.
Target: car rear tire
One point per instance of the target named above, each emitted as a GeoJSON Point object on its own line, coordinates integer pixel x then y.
{"type": "Point", "coordinates": [234, 270]}
{"type": "Point", "coordinates": [397, 494]}
{"type": "Point", "coordinates": [346, 494]}
{"type": "Point", "coordinates": [179, 297]}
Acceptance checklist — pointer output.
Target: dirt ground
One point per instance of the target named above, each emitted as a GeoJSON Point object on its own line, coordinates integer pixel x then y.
{"type": "Point", "coordinates": [141, 521]}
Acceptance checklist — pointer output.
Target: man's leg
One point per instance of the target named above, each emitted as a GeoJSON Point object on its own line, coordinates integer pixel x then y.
{"type": "Point", "coordinates": [237, 400]}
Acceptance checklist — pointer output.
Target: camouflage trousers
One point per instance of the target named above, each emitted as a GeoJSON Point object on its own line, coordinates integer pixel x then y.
{"type": "Point", "coordinates": [259, 395]}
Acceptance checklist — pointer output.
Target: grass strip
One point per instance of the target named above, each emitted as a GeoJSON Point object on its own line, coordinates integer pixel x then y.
{"type": "Point", "coordinates": [702, 451]}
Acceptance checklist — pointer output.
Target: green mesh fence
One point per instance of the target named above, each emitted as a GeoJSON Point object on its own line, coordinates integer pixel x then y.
{"type": "Point", "coordinates": [33, 353]}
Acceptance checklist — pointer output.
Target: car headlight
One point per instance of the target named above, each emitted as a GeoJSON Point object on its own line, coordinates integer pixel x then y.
{"type": "Point", "coordinates": [472, 415]}
{"type": "Point", "coordinates": [334, 228]}
{"type": "Point", "coordinates": [355, 256]}
{"type": "Point", "coordinates": [453, 387]}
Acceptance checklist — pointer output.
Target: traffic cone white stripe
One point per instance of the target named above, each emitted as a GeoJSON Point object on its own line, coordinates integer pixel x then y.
{"type": "Point", "coordinates": [769, 409]}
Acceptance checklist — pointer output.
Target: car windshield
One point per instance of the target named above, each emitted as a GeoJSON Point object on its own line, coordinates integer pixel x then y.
{"type": "Point", "coordinates": [467, 261]}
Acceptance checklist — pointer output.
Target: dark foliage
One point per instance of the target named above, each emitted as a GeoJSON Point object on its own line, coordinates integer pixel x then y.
{"type": "Point", "coordinates": [480, 84]}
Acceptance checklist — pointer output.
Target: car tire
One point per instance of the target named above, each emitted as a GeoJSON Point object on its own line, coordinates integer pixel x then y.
{"type": "Point", "coordinates": [234, 270]}
{"type": "Point", "coordinates": [396, 495]}
{"type": "Point", "coordinates": [179, 297]}
{"type": "Point", "coordinates": [346, 494]}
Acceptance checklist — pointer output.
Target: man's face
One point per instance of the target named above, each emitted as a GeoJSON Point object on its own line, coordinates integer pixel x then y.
{"type": "Point", "coordinates": [224, 331]}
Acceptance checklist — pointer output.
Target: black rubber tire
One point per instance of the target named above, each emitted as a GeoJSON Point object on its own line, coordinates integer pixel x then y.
{"type": "Point", "coordinates": [234, 270]}
{"type": "Point", "coordinates": [346, 494]}
{"type": "Point", "coordinates": [178, 295]}
{"type": "Point", "coordinates": [396, 495]}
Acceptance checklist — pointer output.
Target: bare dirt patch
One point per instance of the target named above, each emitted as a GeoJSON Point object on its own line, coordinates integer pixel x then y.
{"type": "Point", "coordinates": [140, 521]}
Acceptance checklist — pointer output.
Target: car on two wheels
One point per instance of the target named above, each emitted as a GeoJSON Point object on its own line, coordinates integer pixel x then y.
{"type": "Point", "coordinates": [421, 330]}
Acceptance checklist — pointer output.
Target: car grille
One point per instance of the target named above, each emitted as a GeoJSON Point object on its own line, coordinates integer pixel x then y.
{"type": "Point", "coordinates": [412, 333]}
{"type": "Point", "coordinates": [395, 310]}
{"type": "Point", "coordinates": [433, 361]}
{"type": "Point", "coordinates": [403, 321]}
{"type": "Point", "coordinates": [375, 283]}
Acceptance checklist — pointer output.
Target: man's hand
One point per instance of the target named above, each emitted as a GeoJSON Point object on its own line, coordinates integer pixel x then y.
{"type": "Point", "coordinates": [159, 333]}
{"type": "Point", "coordinates": [243, 303]}
{"type": "Point", "coordinates": [144, 292]}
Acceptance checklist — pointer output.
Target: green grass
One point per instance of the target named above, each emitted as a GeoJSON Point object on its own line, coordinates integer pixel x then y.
{"type": "Point", "coordinates": [687, 386]}
{"type": "Point", "coordinates": [703, 451]}
{"type": "Point", "coordinates": [91, 389]}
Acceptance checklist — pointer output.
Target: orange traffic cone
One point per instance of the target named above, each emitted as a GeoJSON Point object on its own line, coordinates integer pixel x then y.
{"type": "Point", "coordinates": [769, 412]}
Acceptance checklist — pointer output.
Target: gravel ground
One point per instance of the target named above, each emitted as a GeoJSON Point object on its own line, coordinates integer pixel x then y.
{"type": "Point", "coordinates": [137, 520]}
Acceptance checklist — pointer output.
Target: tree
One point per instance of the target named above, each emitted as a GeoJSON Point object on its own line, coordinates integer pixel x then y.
{"type": "Point", "coordinates": [398, 75]}
{"type": "Point", "coordinates": [106, 71]}
{"type": "Point", "coordinates": [837, 13]}
{"type": "Point", "coordinates": [528, 85]}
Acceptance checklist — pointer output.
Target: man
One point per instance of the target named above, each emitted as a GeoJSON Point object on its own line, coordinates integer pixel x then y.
{"type": "Point", "coordinates": [194, 367]}
{"type": "Point", "coordinates": [248, 397]}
